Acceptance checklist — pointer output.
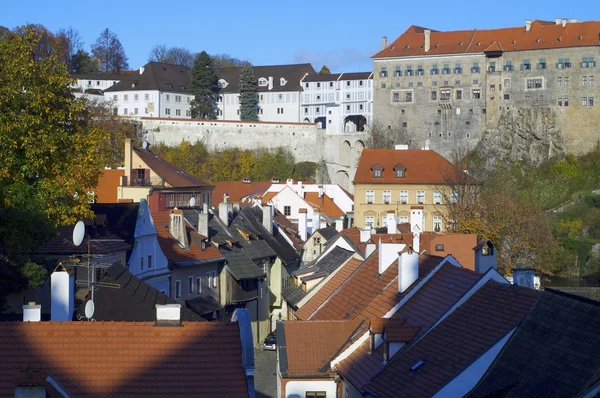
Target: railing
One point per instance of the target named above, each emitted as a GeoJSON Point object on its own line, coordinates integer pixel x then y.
{"type": "Point", "coordinates": [140, 182]}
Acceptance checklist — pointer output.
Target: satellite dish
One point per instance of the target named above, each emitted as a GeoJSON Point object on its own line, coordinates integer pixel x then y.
{"type": "Point", "coordinates": [89, 309]}
{"type": "Point", "coordinates": [192, 201]}
{"type": "Point", "coordinates": [78, 233]}
{"type": "Point", "coordinates": [145, 145]}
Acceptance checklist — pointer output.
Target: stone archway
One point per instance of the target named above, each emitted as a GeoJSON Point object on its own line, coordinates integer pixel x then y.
{"type": "Point", "coordinates": [342, 179]}
{"type": "Point", "coordinates": [356, 151]}
{"type": "Point", "coordinates": [346, 153]}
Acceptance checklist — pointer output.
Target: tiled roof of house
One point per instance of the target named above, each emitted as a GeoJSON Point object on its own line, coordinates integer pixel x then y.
{"type": "Point", "coordinates": [237, 190]}
{"type": "Point", "coordinates": [132, 301]}
{"type": "Point", "coordinates": [356, 75]}
{"type": "Point", "coordinates": [171, 174]}
{"type": "Point", "coordinates": [120, 218]}
{"type": "Point", "coordinates": [317, 77]}
{"type": "Point", "coordinates": [367, 289]}
{"type": "Point", "coordinates": [63, 244]}
{"type": "Point", "coordinates": [289, 229]}
{"type": "Point", "coordinates": [472, 329]}
{"type": "Point", "coordinates": [328, 288]}
{"type": "Point", "coordinates": [173, 250]}
{"type": "Point", "coordinates": [156, 76]}
{"type": "Point", "coordinates": [108, 184]}
{"type": "Point", "coordinates": [126, 358]}
{"type": "Point", "coordinates": [328, 233]}
{"type": "Point", "coordinates": [353, 236]}
{"type": "Point", "coordinates": [554, 352]}
{"type": "Point", "coordinates": [460, 246]}
{"type": "Point", "coordinates": [293, 294]}
{"type": "Point", "coordinates": [328, 263]}
{"type": "Point", "coordinates": [292, 74]}
{"type": "Point", "coordinates": [421, 167]}
{"type": "Point", "coordinates": [324, 204]}
{"type": "Point", "coordinates": [268, 196]}
{"type": "Point", "coordinates": [310, 346]}
{"type": "Point", "coordinates": [542, 35]}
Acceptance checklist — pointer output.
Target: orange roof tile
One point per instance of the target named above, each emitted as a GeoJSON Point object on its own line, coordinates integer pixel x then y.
{"type": "Point", "coordinates": [327, 290]}
{"type": "Point", "coordinates": [324, 204]}
{"type": "Point", "coordinates": [460, 246]}
{"type": "Point", "coordinates": [268, 196]}
{"type": "Point", "coordinates": [353, 235]}
{"type": "Point", "coordinates": [542, 35]}
{"type": "Point", "coordinates": [127, 359]}
{"type": "Point", "coordinates": [422, 167]}
{"type": "Point", "coordinates": [173, 175]}
{"type": "Point", "coordinates": [108, 185]}
{"type": "Point", "coordinates": [310, 346]}
{"type": "Point", "coordinates": [173, 251]}
{"type": "Point", "coordinates": [237, 190]}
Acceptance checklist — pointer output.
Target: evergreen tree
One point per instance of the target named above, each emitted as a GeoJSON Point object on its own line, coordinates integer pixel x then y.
{"type": "Point", "coordinates": [109, 52]}
{"type": "Point", "coordinates": [248, 94]}
{"type": "Point", "coordinates": [324, 70]}
{"type": "Point", "coordinates": [205, 87]}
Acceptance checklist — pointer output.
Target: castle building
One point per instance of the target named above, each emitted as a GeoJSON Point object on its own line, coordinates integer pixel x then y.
{"type": "Point", "coordinates": [449, 87]}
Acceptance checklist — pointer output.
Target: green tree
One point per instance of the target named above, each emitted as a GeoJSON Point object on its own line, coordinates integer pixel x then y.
{"type": "Point", "coordinates": [109, 52]}
{"type": "Point", "coordinates": [248, 94]}
{"type": "Point", "coordinates": [205, 87]}
{"type": "Point", "coordinates": [50, 153]}
{"type": "Point", "coordinates": [83, 63]}
{"type": "Point", "coordinates": [324, 70]}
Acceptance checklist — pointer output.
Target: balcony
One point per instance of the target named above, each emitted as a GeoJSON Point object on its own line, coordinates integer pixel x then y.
{"type": "Point", "coordinates": [239, 295]}
{"type": "Point", "coordinates": [140, 182]}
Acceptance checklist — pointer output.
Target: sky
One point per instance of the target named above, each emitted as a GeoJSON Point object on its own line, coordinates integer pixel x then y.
{"type": "Point", "coordinates": [340, 34]}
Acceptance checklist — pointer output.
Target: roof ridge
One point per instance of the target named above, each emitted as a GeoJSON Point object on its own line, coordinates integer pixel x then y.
{"type": "Point", "coordinates": [572, 296]}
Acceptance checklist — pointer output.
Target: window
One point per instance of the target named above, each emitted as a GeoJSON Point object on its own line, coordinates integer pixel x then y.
{"type": "Point", "coordinates": [437, 223]}
{"type": "Point", "coordinates": [434, 83]}
{"type": "Point", "coordinates": [584, 101]}
{"type": "Point", "coordinates": [167, 111]}
{"type": "Point", "coordinates": [563, 63]}
{"type": "Point", "coordinates": [377, 173]}
{"type": "Point", "coordinates": [434, 70]}
{"type": "Point", "coordinates": [124, 111]}
{"type": "Point", "coordinates": [475, 67]}
{"type": "Point", "coordinates": [492, 67]}
{"type": "Point", "coordinates": [369, 221]}
{"type": "Point", "coordinates": [135, 97]}
{"type": "Point", "coordinates": [214, 279]}
{"type": "Point", "coordinates": [387, 197]}
{"type": "Point", "coordinates": [419, 84]}
{"type": "Point", "coordinates": [541, 64]}
{"type": "Point", "coordinates": [566, 81]}
{"type": "Point", "coordinates": [287, 211]}
{"type": "Point", "coordinates": [382, 85]}
{"type": "Point", "coordinates": [141, 263]}
{"type": "Point", "coordinates": [382, 73]}
{"type": "Point", "coordinates": [408, 71]}
{"type": "Point", "coordinates": [411, 84]}
{"type": "Point", "coordinates": [146, 97]}
{"type": "Point", "coordinates": [149, 261]}
{"type": "Point", "coordinates": [177, 112]}
{"type": "Point", "coordinates": [559, 81]}
{"type": "Point", "coordinates": [433, 95]}
{"type": "Point", "coordinates": [541, 97]}
{"type": "Point", "coordinates": [190, 285]}
{"type": "Point", "coordinates": [458, 94]}
{"type": "Point", "coordinates": [305, 110]}
{"type": "Point", "coordinates": [399, 173]}
{"type": "Point", "coordinates": [135, 111]}
{"type": "Point", "coordinates": [189, 113]}
{"type": "Point", "coordinates": [476, 93]}
{"type": "Point", "coordinates": [560, 102]}
{"type": "Point", "coordinates": [178, 98]}
{"type": "Point", "coordinates": [360, 107]}
{"type": "Point", "coordinates": [492, 87]}
{"type": "Point", "coordinates": [506, 97]}
{"type": "Point", "coordinates": [534, 84]}
{"type": "Point", "coordinates": [178, 289]}
{"type": "Point", "coordinates": [370, 196]}
{"type": "Point", "coordinates": [506, 83]}
{"type": "Point", "coordinates": [445, 95]}
{"type": "Point", "coordinates": [508, 66]}
{"type": "Point", "coordinates": [475, 81]}
{"type": "Point", "coordinates": [168, 97]}
{"type": "Point", "coordinates": [457, 69]}
{"type": "Point", "coordinates": [125, 97]}
{"type": "Point", "coordinates": [347, 107]}
{"type": "Point", "coordinates": [420, 197]}
{"type": "Point", "coordinates": [590, 101]}
{"type": "Point", "coordinates": [208, 279]}
{"type": "Point", "coordinates": [457, 82]}
{"type": "Point", "coordinates": [566, 102]}
{"type": "Point", "coordinates": [280, 98]}
{"type": "Point", "coordinates": [403, 219]}
{"type": "Point", "coordinates": [199, 285]}
{"type": "Point", "coordinates": [316, 394]}
{"type": "Point", "coordinates": [526, 65]}
{"type": "Point", "coordinates": [420, 70]}
{"type": "Point", "coordinates": [439, 248]}
{"type": "Point", "coordinates": [454, 197]}
{"type": "Point", "coordinates": [446, 70]}
{"type": "Point", "coordinates": [115, 97]}
{"type": "Point", "coordinates": [404, 197]}
{"type": "Point", "coordinates": [437, 197]}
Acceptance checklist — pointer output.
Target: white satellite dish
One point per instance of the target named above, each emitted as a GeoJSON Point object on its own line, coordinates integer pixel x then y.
{"type": "Point", "coordinates": [89, 309]}
{"type": "Point", "coordinates": [192, 201]}
{"type": "Point", "coordinates": [78, 233]}
{"type": "Point", "coordinates": [145, 145]}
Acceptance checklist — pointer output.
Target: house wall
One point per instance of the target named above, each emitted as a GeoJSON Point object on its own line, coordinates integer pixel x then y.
{"type": "Point", "coordinates": [150, 103]}
{"type": "Point", "coordinates": [378, 209]}
{"type": "Point", "coordinates": [297, 388]}
{"type": "Point", "coordinates": [134, 193]}
{"type": "Point", "coordinates": [260, 313]}
{"type": "Point", "coordinates": [273, 107]}
{"type": "Point", "coordinates": [349, 391]}
{"type": "Point", "coordinates": [287, 197]}
{"type": "Point", "coordinates": [203, 271]}
{"type": "Point", "coordinates": [334, 191]}
{"type": "Point", "coordinates": [312, 249]}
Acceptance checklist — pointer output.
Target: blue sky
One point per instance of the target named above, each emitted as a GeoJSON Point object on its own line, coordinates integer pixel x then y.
{"type": "Point", "coordinates": [340, 34]}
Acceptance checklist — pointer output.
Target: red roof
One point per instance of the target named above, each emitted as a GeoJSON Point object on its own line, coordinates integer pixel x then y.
{"type": "Point", "coordinates": [324, 204]}
{"type": "Point", "coordinates": [171, 174]}
{"type": "Point", "coordinates": [472, 329]}
{"type": "Point", "coordinates": [542, 35]}
{"type": "Point", "coordinates": [173, 251]}
{"type": "Point", "coordinates": [237, 190]}
{"type": "Point", "coordinates": [460, 246]}
{"type": "Point", "coordinates": [126, 359]}
{"type": "Point", "coordinates": [422, 167]}
{"type": "Point", "coordinates": [108, 186]}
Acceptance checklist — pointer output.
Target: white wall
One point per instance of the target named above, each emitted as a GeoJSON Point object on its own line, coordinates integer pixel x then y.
{"type": "Point", "coordinates": [298, 388]}
{"type": "Point", "coordinates": [288, 197]}
{"type": "Point", "coordinates": [275, 106]}
{"type": "Point", "coordinates": [150, 103]}
{"type": "Point", "coordinates": [334, 191]}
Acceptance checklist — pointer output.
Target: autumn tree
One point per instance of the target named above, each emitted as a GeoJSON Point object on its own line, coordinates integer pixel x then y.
{"type": "Point", "coordinates": [248, 94]}
{"type": "Point", "coordinates": [324, 70]}
{"type": "Point", "coordinates": [171, 55]}
{"type": "Point", "coordinates": [109, 52]}
{"type": "Point", "coordinates": [205, 88]}
{"type": "Point", "coordinates": [49, 150]}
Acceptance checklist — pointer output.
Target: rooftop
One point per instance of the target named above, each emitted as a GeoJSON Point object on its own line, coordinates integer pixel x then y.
{"type": "Point", "coordinates": [237, 190]}
{"type": "Point", "coordinates": [291, 75]}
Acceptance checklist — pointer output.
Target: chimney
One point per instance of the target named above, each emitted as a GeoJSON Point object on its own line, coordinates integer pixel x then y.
{"type": "Point", "coordinates": [485, 256]}
{"type": "Point", "coordinates": [388, 253]}
{"type": "Point", "coordinates": [573, 20]}
{"type": "Point", "coordinates": [401, 147]}
{"type": "Point", "coordinates": [267, 218]}
{"type": "Point", "coordinates": [177, 228]}
{"type": "Point", "coordinates": [320, 191]}
{"type": "Point", "coordinates": [168, 315]}
{"type": "Point", "coordinates": [370, 249]}
{"type": "Point", "coordinates": [128, 160]}
{"type": "Point", "coordinates": [225, 208]}
{"type": "Point", "coordinates": [300, 190]}
{"type": "Point", "coordinates": [142, 70]}
{"type": "Point", "coordinates": [427, 45]}
{"type": "Point", "coordinates": [557, 21]}
{"type": "Point", "coordinates": [390, 222]}
{"type": "Point", "coordinates": [365, 235]}
{"type": "Point", "coordinates": [523, 277]}
{"type": "Point", "coordinates": [289, 182]}
{"type": "Point", "coordinates": [316, 221]}
{"type": "Point", "coordinates": [564, 22]}
{"type": "Point", "coordinates": [416, 225]}
{"type": "Point", "coordinates": [339, 224]}
{"type": "Point", "coordinates": [383, 42]}
{"type": "Point", "coordinates": [408, 269]}
{"type": "Point", "coordinates": [32, 312]}
{"type": "Point", "coordinates": [528, 25]}
{"type": "Point", "coordinates": [62, 296]}
{"type": "Point", "coordinates": [203, 219]}
{"type": "Point", "coordinates": [302, 224]}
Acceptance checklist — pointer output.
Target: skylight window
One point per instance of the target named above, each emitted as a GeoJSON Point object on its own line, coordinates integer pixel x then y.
{"type": "Point", "coordinates": [417, 365]}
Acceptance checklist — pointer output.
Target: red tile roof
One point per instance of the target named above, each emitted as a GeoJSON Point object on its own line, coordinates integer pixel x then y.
{"type": "Point", "coordinates": [422, 167]}
{"type": "Point", "coordinates": [324, 204]}
{"type": "Point", "coordinates": [237, 190]}
{"type": "Point", "coordinates": [353, 235]}
{"type": "Point", "coordinates": [466, 334]}
{"type": "Point", "coordinates": [310, 346]}
{"type": "Point", "coordinates": [460, 246]}
{"type": "Point", "coordinates": [127, 359]}
{"type": "Point", "coordinates": [108, 185]}
{"type": "Point", "coordinates": [327, 290]}
{"type": "Point", "coordinates": [171, 174]}
{"type": "Point", "coordinates": [542, 35]}
{"type": "Point", "coordinates": [173, 251]}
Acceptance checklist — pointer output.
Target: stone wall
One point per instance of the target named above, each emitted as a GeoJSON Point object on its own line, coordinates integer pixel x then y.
{"type": "Point", "coordinates": [338, 153]}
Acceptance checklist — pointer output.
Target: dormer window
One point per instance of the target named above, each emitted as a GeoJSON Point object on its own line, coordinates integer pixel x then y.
{"type": "Point", "coordinates": [262, 82]}
{"type": "Point", "coordinates": [282, 81]}
{"type": "Point", "coordinates": [377, 171]}
{"type": "Point", "coordinates": [399, 171]}
{"type": "Point", "coordinates": [223, 83]}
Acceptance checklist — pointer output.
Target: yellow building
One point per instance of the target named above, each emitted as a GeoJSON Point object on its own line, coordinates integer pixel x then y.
{"type": "Point", "coordinates": [399, 180]}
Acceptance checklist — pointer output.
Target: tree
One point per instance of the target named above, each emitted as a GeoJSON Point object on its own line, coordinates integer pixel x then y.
{"type": "Point", "coordinates": [109, 52]}
{"type": "Point", "coordinates": [205, 87]}
{"type": "Point", "coordinates": [83, 63]}
{"type": "Point", "coordinates": [71, 43]}
{"type": "Point", "coordinates": [248, 94]}
{"type": "Point", "coordinates": [227, 61]}
{"type": "Point", "coordinates": [172, 55]}
{"type": "Point", "coordinates": [324, 70]}
{"type": "Point", "coordinates": [47, 45]}
{"type": "Point", "coordinates": [385, 137]}
{"type": "Point", "coordinates": [49, 150]}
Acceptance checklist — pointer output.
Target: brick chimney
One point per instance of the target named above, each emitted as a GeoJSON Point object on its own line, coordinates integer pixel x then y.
{"type": "Point", "coordinates": [168, 315]}
{"type": "Point", "coordinates": [267, 218]}
{"type": "Point", "coordinates": [32, 312]}
{"type": "Point", "coordinates": [302, 224]}
{"type": "Point", "coordinates": [177, 228]}
{"type": "Point", "coordinates": [523, 277]}
{"type": "Point", "coordinates": [427, 44]}
{"type": "Point", "coordinates": [383, 42]}
{"type": "Point", "coordinates": [408, 269]}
